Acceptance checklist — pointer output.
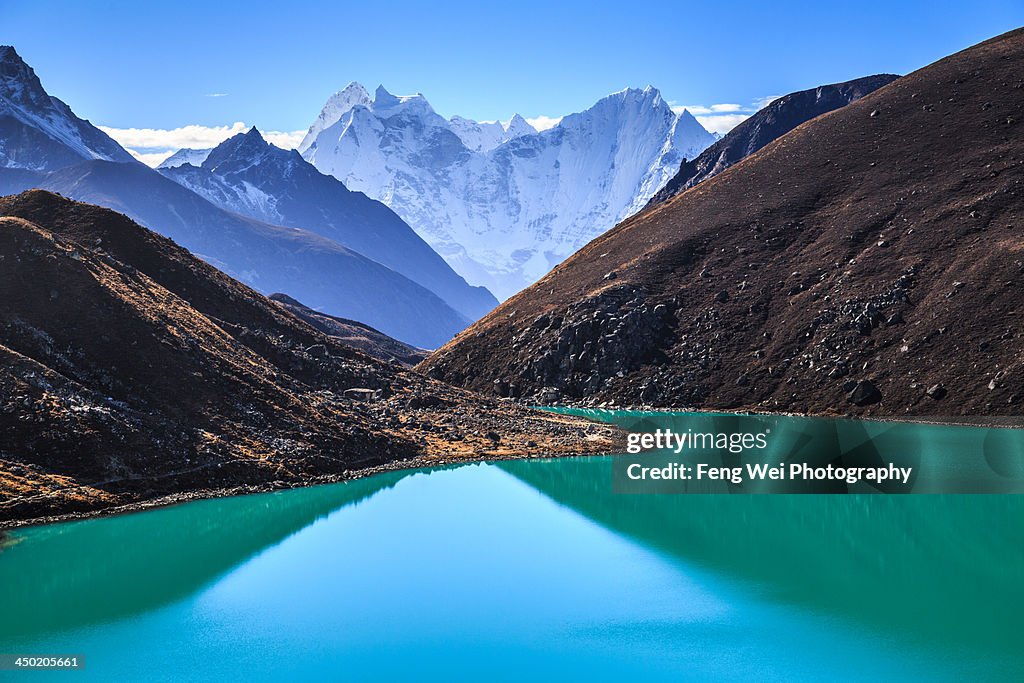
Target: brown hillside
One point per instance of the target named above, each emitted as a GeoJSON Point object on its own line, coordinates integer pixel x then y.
{"type": "Point", "coordinates": [132, 370]}
{"type": "Point", "coordinates": [879, 244]}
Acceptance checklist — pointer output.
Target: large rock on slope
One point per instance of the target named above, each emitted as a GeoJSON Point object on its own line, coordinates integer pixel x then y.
{"type": "Point", "coordinates": [883, 242]}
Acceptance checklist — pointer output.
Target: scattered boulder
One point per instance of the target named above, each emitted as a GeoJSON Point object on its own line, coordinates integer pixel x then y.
{"type": "Point", "coordinates": [362, 394]}
{"type": "Point", "coordinates": [863, 393]}
{"type": "Point", "coordinates": [425, 401]}
{"type": "Point", "coordinates": [550, 395]}
{"type": "Point", "coordinates": [936, 392]}
{"type": "Point", "coordinates": [648, 393]}
{"type": "Point", "coordinates": [317, 351]}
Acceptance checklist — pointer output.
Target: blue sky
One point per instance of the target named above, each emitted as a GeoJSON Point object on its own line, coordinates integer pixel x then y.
{"type": "Point", "coordinates": [165, 65]}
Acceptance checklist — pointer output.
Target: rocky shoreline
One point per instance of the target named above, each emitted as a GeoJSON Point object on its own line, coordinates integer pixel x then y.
{"type": "Point", "coordinates": [419, 462]}
{"type": "Point", "coordinates": [988, 421]}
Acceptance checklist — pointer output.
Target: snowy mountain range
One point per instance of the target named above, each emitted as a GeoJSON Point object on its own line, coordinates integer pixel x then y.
{"type": "Point", "coordinates": [503, 204]}
{"type": "Point", "coordinates": [44, 145]}
{"type": "Point", "coordinates": [248, 176]}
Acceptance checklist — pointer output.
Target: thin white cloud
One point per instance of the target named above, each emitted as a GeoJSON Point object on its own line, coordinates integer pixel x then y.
{"type": "Point", "coordinates": [284, 140]}
{"type": "Point", "coordinates": [153, 159]}
{"type": "Point", "coordinates": [540, 123]}
{"type": "Point", "coordinates": [723, 117]}
{"type": "Point", "coordinates": [192, 135]}
{"type": "Point", "coordinates": [721, 123]}
{"type": "Point", "coordinates": [216, 94]}
{"type": "Point", "coordinates": [695, 109]}
{"type": "Point", "coordinates": [152, 145]}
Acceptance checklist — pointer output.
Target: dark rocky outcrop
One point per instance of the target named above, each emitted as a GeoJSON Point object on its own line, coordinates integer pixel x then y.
{"type": "Point", "coordinates": [770, 123]}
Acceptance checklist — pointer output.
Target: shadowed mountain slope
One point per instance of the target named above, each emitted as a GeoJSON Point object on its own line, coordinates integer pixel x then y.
{"type": "Point", "coordinates": [246, 175]}
{"type": "Point", "coordinates": [353, 333]}
{"type": "Point", "coordinates": [44, 145]}
{"type": "Point", "coordinates": [871, 260]}
{"type": "Point", "coordinates": [316, 270]}
{"type": "Point", "coordinates": [39, 132]}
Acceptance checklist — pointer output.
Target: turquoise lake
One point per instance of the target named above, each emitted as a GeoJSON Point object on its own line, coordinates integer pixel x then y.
{"type": "Point", "coordinates": [525, 570]}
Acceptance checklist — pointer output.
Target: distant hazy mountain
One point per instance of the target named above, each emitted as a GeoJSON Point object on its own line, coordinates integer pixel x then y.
{"type": "Point", "coordinates": [773, 121]}
{"type": "Point", "coordinates": [503, 205]}
{"type": "Point", "coordinates": [196, 157]}
{"type": "Point", "coordinates": [39, 132]}
{"type": "Point", "coordinates": [314, 269]}
{"type": "Point", "coordinates": [248, 176]}
{"type": "Point", "coordinates": [45, 145]}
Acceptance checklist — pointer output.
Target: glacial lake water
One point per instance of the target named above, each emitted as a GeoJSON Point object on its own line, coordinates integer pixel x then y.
{"type": "Point", "coordinates": [525, 570]}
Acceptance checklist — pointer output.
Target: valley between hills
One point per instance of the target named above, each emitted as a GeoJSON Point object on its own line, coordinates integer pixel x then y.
{"type": "Point", "coordinates": [249, 318]}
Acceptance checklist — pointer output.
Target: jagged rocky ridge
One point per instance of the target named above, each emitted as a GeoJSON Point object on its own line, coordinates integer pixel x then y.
{"type": "Point", "coordinates": [773, 121]}
{"type": "Point", "coordinates": [133, 370]}
{"type": "Point", "coordinates": [353, 333]}
{"type": "Point", "coordinates": [39, 132]}
{"type": "Point", "coordinates": [869, 261]}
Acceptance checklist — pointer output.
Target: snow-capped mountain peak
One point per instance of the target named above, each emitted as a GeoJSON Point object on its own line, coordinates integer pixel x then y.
{"type": "Point", "coordinates": [186, 155]}
{"type": "Point", "coordinates": [337, 105]}
{"type": "Point", "coordinates": [518, 126]}
{"type": "Point", "coordinates": [240, 152]}
{"type": "Point", "coordinates": [39, 132]}
{"type": "Point", "coordinates": [385, 104]}
{"type": "Point", "coordinates": [246, 175]}
{"type": "Point", "coordinates": [503, 204]}
{"type": "Point", "coordinates": [352, 95]}
{"type": "Point", "coordinates": [483, 136]}
{"type": "Point", "coordinates": [382, 98]}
